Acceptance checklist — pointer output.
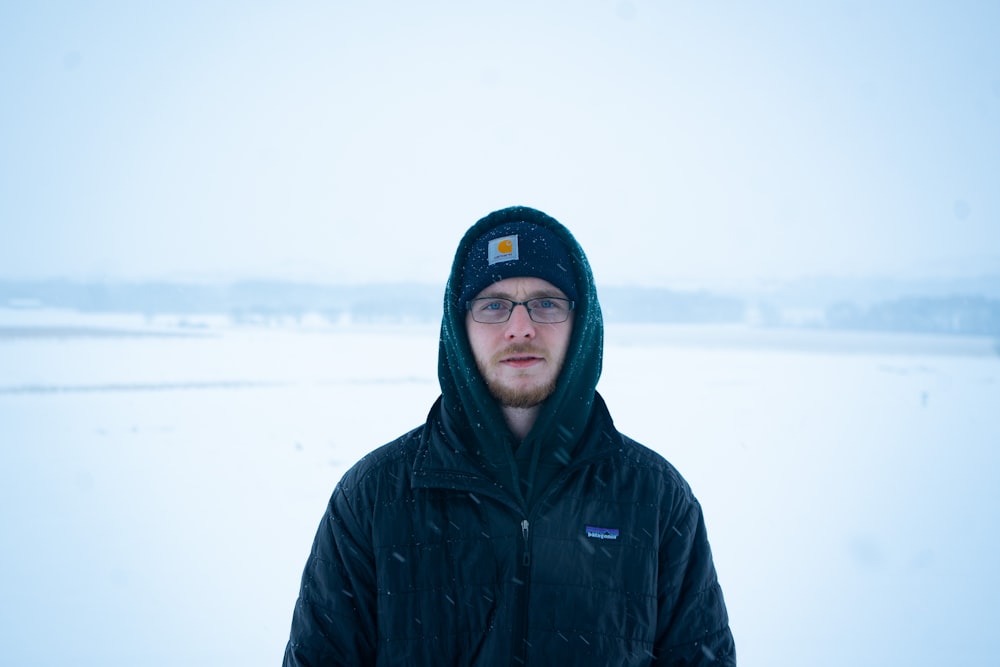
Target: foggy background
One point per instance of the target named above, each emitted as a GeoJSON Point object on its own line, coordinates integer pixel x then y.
{"type": "Point", "coordinates": [225, 230]}
{"type": "Point", "coordinates": [706, 144]}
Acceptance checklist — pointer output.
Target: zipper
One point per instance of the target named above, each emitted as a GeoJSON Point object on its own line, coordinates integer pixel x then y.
{"type": "Point", "coordinates": [526, 558]}
{"type": "Point", "coordinates": [521, 624]}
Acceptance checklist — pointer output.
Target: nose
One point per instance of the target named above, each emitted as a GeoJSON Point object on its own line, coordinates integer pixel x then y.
{"type": "Point", "coordinates": [520, 324]}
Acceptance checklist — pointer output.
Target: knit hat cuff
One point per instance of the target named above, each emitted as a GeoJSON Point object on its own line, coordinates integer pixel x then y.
{"type": "Point", "coordinates": [517, 250]}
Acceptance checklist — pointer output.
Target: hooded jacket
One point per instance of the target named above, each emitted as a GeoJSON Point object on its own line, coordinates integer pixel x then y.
{"type": "Point", "coordinates": [457, 545]}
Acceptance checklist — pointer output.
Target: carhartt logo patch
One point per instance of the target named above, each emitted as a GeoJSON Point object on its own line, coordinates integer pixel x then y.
{"type": "Point", "coordinates": [503, 249]}
{"type": "Point", "coordinates": [599, 533]}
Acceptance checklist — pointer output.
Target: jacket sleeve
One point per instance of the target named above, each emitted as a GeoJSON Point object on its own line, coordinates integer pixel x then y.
{"type": "Point", "coordinates": [334, 619]}
{"type": "Point", "coordinates": [693, 624]}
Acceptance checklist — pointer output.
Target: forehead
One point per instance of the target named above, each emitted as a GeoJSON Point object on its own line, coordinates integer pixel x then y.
{"type": "Point", "coordinates": [520, 288]}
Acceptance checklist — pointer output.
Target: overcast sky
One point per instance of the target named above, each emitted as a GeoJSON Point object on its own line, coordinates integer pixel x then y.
{"type": "Point", "coordinates": [683, 142]}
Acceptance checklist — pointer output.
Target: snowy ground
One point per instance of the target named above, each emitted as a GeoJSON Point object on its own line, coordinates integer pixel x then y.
{"type": "Point", "coordinates": [158, 494]}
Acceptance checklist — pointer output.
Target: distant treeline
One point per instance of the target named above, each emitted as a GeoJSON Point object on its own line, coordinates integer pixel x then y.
{"type": "Point", "coordinates": [970, 315]}
{"type": "Point", "coordinates": [244, 299]}
{"type": "Point", "coordinates": [256, 300]}
{"type": "Point", "coordinates": [371, 302]}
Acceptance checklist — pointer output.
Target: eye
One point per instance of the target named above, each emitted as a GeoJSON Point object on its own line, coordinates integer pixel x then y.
{"type": "Point", "coordinates": [493, 304]}
{"type": "Point", "coordinates": [546, 304]}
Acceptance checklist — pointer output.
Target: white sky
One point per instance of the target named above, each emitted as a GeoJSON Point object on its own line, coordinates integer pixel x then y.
{"type": "Point", "coordinates": [683, 142]}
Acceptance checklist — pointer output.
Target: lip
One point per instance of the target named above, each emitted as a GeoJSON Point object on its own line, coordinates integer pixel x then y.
{"type": "Point", "coordinates": [521, 361]}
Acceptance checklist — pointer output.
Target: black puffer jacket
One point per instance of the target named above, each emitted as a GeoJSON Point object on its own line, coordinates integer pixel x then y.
{"type": "Point", "coordinates": [455, 545]}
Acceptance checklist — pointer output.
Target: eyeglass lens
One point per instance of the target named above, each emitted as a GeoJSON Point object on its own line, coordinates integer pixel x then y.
{"type": "Point", "coordinates": [544, 310]}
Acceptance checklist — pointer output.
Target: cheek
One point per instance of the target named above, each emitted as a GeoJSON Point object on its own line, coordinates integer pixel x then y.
{"type": "Point", "coordinates": [478, 342]}
{"type": "Point", "coordinates": [560, 348]}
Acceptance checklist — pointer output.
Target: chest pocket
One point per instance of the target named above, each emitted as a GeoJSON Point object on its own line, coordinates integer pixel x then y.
{"type": "Point", "coordinates": [596, 577]}
{"type": "Point", "coordinates": [442, 570]}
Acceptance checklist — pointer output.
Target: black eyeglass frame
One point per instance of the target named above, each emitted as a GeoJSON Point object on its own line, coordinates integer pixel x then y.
{"type": "Point", "coordinates": [570, 305]}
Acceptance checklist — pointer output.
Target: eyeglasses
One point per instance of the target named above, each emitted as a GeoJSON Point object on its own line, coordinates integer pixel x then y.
{"type": "Point", "coordinates": [543, 309]}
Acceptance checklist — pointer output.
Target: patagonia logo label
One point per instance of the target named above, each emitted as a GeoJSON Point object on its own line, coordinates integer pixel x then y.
{"type": "Point", "coordinates": [599, 533]}
{"type": "Point", "coordinates": [503, 249]}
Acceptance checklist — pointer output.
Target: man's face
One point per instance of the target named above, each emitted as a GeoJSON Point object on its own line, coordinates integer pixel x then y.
{"type": "Point", "coordinates": [520, 359]}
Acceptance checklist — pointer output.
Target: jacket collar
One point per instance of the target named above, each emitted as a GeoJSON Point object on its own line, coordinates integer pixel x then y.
{"type": "Point", "coordinates": [444, 461]}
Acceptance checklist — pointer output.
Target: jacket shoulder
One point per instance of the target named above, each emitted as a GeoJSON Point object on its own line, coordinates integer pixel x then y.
{"type": "Point", "coordinates": [391, 459]}
{"type": "Point", "coordinates": [635, 454]}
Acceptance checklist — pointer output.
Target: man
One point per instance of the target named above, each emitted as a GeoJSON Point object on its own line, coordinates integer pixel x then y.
{"type": "Point", "coordinates": [516, 526]}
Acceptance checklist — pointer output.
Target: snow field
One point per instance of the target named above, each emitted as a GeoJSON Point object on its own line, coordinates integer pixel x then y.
{"type": "Point", "coordinates": [158, 496]}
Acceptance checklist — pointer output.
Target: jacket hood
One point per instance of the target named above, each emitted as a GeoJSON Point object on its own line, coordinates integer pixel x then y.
{"type": "Point", "coordinates": [472, 416]}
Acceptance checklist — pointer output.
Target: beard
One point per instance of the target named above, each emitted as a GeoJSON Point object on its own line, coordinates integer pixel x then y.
{"type": "Point", "coordinates": [517, 397]}
{"type": "Point", "coordinates": [511, 397]}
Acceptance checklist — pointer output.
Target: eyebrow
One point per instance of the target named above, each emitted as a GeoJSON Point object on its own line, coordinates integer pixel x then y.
{"type": "Point", "coordinates": [553, 294]}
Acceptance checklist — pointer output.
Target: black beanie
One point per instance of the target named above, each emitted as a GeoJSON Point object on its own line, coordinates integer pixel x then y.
{"type": "Point", "coordinates": [516, 250]}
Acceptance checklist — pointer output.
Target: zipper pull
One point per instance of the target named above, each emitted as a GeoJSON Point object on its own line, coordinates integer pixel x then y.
{"type": "Point", "coordinates": [526, 560]}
